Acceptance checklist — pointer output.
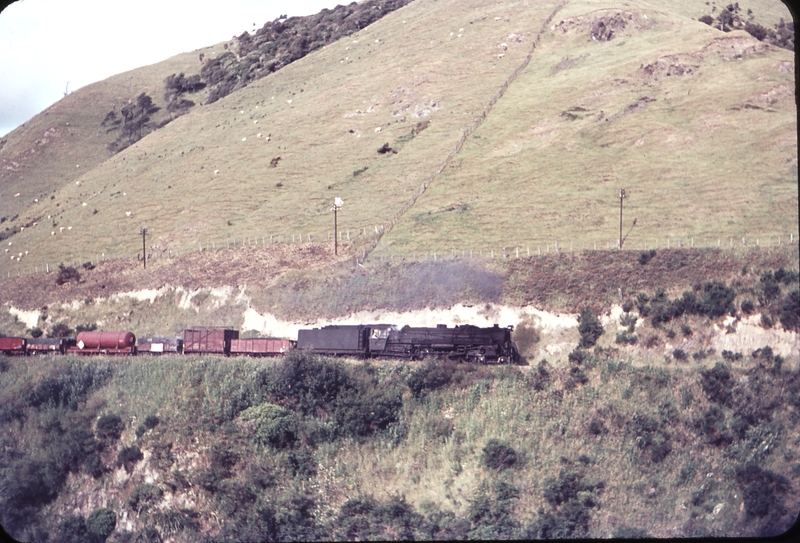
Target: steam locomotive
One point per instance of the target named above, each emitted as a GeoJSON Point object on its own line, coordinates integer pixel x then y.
{"type": "Point", "coordinates": [462, 343]}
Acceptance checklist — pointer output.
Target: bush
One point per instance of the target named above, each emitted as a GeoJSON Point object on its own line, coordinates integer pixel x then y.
{"type": "Point", "coordinates": [68, 385]}
{"type": "Point", "coordinates": [748, 307]}
{"type": "Point", "coordinates": [646, 256]}
{"type": "Point", "coordinates": [101, 523]}
{"type": "Point", "coordinates": [790, 312]}
{"type": "Point", "coordinates": [274, 425]}
{"type": "Point", "coordinates": [67, 274]}
{"type": "Point", "coordinates": [109, 427]}
{"type": "Point", "coordinates": [596, 427]}
{"type": "Point", "coordinates": [128, 456]}
{"type": "Point", "coordinates": [498, 455]}
{"type": "Point", "coordinates": [709, 20]}
{"type": "Point", "coordinates": [433, 374]}
{"type": "Point", "coordinates": [589, 328]}
{"type": "Point", "coordinates": [762, 490]}
{"type": "Point", "coordinates": [151, 421]}
{"type": "Point", "coordinates": [143, 496]}
{"type": "Point", "coordinates": [626, 338]}
{"type": "Point", "coordinates": [72, 529]}
{"type": "Point", "coordinates": [717, 383]}
{"type": "Point", "coordinates": [679, 354]}
{"type": "Point", "coordinates": [36, 332]}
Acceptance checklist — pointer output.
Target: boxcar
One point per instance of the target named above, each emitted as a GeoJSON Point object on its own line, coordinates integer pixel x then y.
{"type": "Point", "coordinates": [12, 345]}
{"type": "Point", "coordinates": [160, 344]}
{"type": "Point", "coordinates": [104, 343]}
{"type": "Point", "coordinates": [260, 346]}
{"type": "Point", "coordinates": [208, 340]}
{"type": "Point", "coordinates": [43, 345]}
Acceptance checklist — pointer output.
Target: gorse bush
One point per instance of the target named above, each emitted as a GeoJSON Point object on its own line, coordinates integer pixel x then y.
{"type": "Point", "coordinates": [498, 455]}
{"type": "Point", "coordinates": [109, 427]}
{"type": "Point", "coordinates": [274, 425]}
{"type": "Point", "coordinates": [589, 328]}
{"type": "Point", "coordinates": [101, 523]}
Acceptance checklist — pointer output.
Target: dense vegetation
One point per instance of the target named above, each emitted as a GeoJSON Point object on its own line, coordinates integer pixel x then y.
{"type": "Point", "coordinates": [731, 18]}
{"type": "Point", "coordinates": [285, 40]}
{"type": "Point", "coordinates": [290, 449]}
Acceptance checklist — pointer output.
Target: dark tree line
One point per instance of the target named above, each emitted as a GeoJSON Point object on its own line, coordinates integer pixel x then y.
{"type": "Point", "coordinates": [731, 18]}
{"type": "Point", "coordinates": [283, 41]}
{"type": "Point", "coordinates": [133, 122]}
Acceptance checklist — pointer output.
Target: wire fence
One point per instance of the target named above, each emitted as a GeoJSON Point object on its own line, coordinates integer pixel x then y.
{"type": "Point", "coordinates": [355, 242]}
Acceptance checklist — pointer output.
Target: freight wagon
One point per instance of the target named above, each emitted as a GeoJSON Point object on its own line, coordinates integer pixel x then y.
{"type": "Point", "coordinates": [12, 345]}
{"type": "Point", "coordinates": [104, 343]}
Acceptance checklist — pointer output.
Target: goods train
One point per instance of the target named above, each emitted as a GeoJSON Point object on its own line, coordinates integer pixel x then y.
{"type": "Point", "coordinates": [463, 343]}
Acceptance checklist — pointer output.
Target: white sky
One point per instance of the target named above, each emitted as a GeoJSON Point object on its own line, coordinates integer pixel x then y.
{"type": "Point", "coordinates": [46, 43]}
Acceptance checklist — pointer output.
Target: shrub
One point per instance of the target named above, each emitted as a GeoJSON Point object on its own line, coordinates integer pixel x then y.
{"type": "Point", "coordinates": [717, 383]}
{"type": "Point", "coordinates": [748, 307]}
{"type": "Point", "coordinates": [589, 328]}
{"type": "Point", "coordinates": [755, 30]}
{"type": "Point", "coordinates": [709, 20]}
{"type": "Point", "coordinates": [67, 274]}
{"type": "Point", "coordinates": [68, 385]}
{"type": "Point", "coordinates": [790, 312]}
{"type": "Point", "coordinates": [72, 529]}
{"type": "Point", "coordinates": [101, 523]}
{"type": "Point", "coordinates": [433, 374]}
{"type": "Point", "coordinates": [679, 354]}
{"type": "Point", "coordinates": [596, 427]}
{"type": "Point", "coordinates": [646, 256]}
{"type": "Point", "coordinates": [686, 330]}
{"type": "Point", "coordinates": [36, 332]}
{"type": "Point", "coordinates": [730, 356]}
{"type": "Point", "coordinates": [109, 427]}
{"type": "Point", "coordinates": [61, 329]}
{"type": "Point", "coordinates": [626, 338]}
{"type": "Point", "coordinates": [143, 496]}
{"type": "Point", "coordinates": [761, 490]}
{"type": "Point", "coordinates": [498, 455]}
{"type": "Point", "coordinates": [274, 425]}
{"type": "Point", "coordinates": [151, 421]}
{"type": "Point", "coordinates": [769, 288]}
{"type": "Point", "coordinates": [128, 456]}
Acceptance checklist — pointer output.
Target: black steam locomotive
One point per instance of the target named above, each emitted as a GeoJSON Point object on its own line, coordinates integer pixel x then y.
{"type": "Point", "coordinates": [464, 343]}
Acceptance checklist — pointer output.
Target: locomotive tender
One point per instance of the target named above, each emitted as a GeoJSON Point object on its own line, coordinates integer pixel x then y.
{"type": "Point", "coordinates": [463, 343]}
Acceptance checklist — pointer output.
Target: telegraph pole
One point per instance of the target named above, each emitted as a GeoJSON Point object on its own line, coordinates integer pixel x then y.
{"type": "Point", "coordinates": [621, 196]}
{"type": "Point", "coordinates": [337, 204]}
{"type": "Point", "coordinates": [143, 232]}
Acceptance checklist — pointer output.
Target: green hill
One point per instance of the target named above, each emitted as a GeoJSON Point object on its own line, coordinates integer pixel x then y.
{"type": "Point", "coordinates": [522, 126]}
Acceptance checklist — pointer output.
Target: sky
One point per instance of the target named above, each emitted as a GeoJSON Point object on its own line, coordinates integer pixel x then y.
{"type": "Point", "coordinates": [48, 47]}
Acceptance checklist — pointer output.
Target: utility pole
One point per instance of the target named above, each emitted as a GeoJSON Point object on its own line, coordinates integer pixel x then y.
{"type": "Point", "coordinates": [621, 196]}
{"type": "Point", "coordinates": [337, 204]}
{"type": "Point", "coordinates": [143, 232]}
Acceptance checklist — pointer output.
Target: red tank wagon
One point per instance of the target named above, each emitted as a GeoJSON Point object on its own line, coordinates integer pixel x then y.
{"type": "Point", "coordinates": [260, 346]}
{"type": "Point", "coordinates": [104, 343]}
{"type": "Point", "coordinates": [12, 345]}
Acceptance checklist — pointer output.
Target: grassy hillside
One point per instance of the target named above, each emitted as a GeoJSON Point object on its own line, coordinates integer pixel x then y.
{"type": "Point", "coordinates": [69, 138]}
{"type": "Point", "coordinates": [206, 449]}
{"type": "Point", "coordinates": [698, 126]}
{"type": "Point", "coordinates": [706, 152]}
